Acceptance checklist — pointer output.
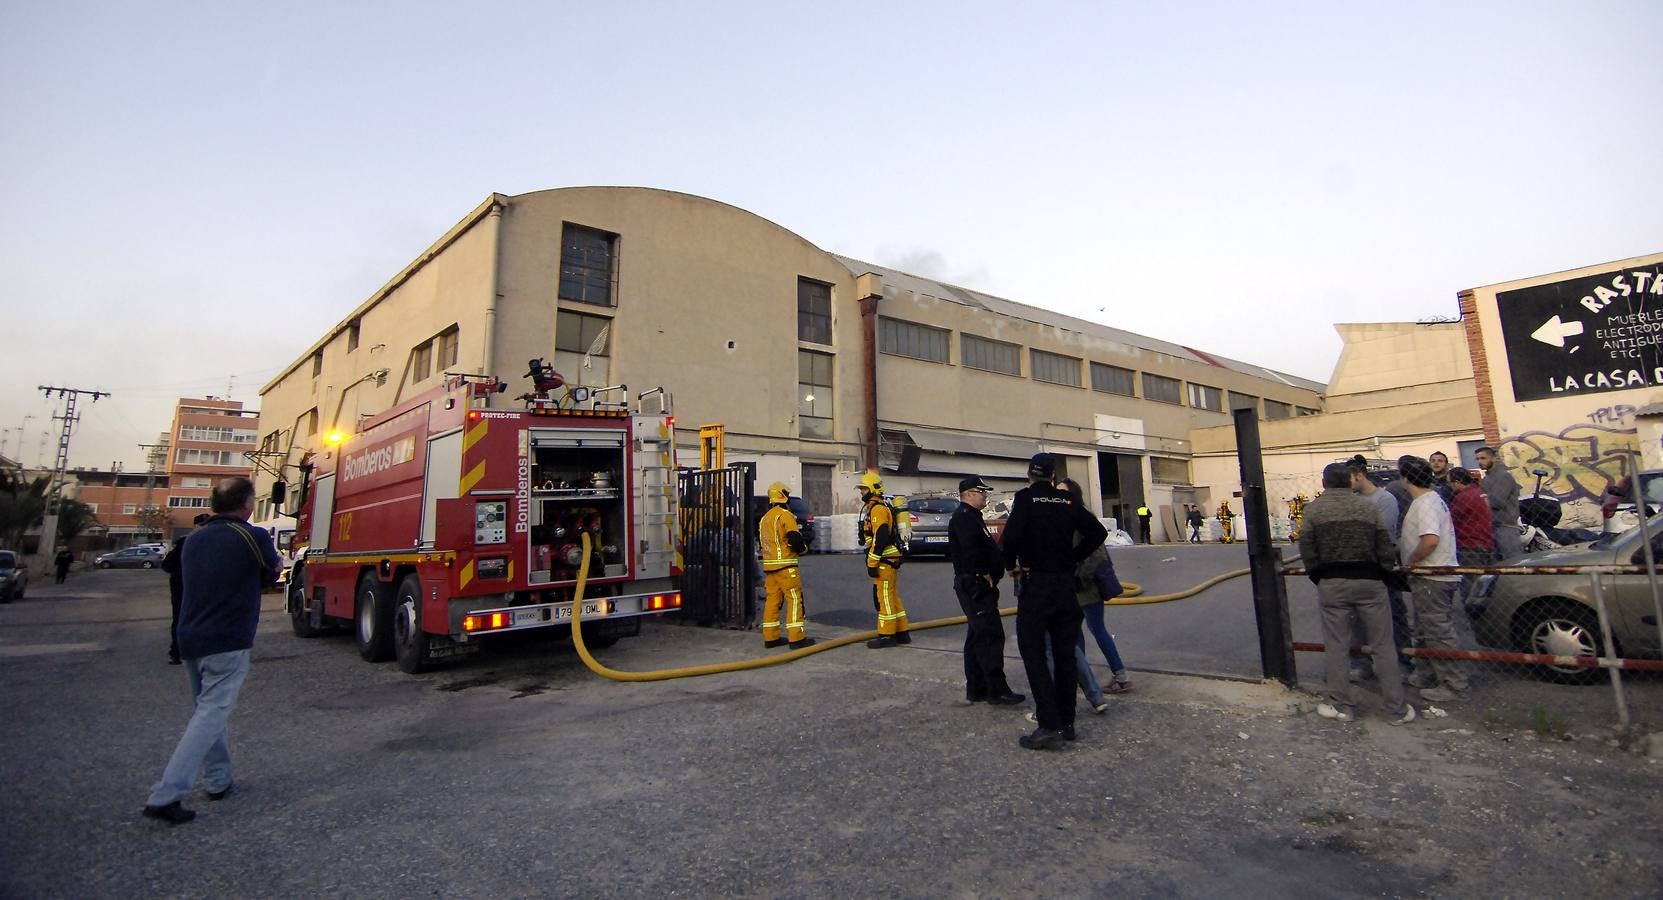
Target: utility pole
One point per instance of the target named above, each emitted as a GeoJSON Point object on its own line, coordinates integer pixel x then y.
{"type": "Point", "coordinates": [49, 525]}
{"type": "Point", "coordinates": [151, 452]}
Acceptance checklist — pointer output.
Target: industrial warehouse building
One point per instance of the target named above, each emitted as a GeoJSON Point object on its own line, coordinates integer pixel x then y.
{"type": "Point", "coordinates": [817, 365]}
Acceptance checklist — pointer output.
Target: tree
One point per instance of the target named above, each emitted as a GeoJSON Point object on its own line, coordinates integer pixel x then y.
{"type": "Point", "coordinates": [74, 517]}
{"type": "Point", "coordinates": [22, 504]}
{"type": "Point", "coordinates": [154, 520]}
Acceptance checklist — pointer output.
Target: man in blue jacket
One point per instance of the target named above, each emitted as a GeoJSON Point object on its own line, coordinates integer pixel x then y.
{"type": "Point", "coordinates": [224, 565]}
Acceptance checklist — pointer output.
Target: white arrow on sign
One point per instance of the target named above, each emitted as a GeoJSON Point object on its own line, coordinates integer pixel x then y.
{"type": "Point", "coordinates": [1554, 331]}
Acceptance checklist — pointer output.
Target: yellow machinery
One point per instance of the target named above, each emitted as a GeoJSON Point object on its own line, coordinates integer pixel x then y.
{"type": "Point", "coordinates": [711, 452]}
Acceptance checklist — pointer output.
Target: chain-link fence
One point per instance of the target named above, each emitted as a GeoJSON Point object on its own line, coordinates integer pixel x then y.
{"type": "Point", "coordinates": [1554, 649]}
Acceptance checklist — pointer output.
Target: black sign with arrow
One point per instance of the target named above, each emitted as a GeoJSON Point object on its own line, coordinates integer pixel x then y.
{"type": "Point", "coordinates": [1585, 336]}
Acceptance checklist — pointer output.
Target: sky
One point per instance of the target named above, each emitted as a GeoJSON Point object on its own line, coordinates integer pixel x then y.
{"type": "Point", "coordinates": [192, 193]}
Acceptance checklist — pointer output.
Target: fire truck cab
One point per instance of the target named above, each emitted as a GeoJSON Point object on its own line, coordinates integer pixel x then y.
{"type": "Point", "coordinates": [444, 520]}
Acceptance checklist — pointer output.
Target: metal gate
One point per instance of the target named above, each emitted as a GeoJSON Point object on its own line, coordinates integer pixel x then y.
{"type": "Point", "coordinates": [720, 571]}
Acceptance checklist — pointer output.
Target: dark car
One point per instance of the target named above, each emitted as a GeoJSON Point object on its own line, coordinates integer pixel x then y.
{"type": "Point", "coordinates": [929, 517]}
{"type": "Point", "coordinates": [798, 507]}
{"type": "Point", "coordinates": [14, 577]}
{"type": "Point", "coordinates": [141, 557]}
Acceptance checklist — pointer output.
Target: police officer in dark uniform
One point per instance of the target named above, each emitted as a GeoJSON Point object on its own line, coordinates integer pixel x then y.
{"type": "Point", "coordinates": [1041, 553]}
{"type": "Point", "coordinates": [977, 569]}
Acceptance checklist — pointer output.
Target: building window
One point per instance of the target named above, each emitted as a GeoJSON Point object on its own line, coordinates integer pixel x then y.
{"type": "Point", "coordinates": [1276, 409]}
{"type": "Point", "coordinates": [1244, 401]}
{"type": "Point", "coordinates": [583, 348]}
{"type": "Point", "coordinates": [196, 481]}
{"type": "Point", "coordinates": [1305, 411]}
{"type": "Point", "coordinates": [312, 421]}
{"type": "Point", "coordinates": [1163, 470]}
{"type": "Point", "coordinates": [814, 394]}
{"type": "Point", "coordinates": [813, 311]}
{"type": "Point", "coordinates": [447, 342]}
{"type": "Point", "coordinates": [421, 362]}
{"type": "Point", "coordinates": [1111, 379]}
{"type": "Point", "coordinates": [989, 355]}
{"type": "Point", "coordinates": [128, 509]}
{"type": "Point", "coordinates": [91, 507]}
{"type": "Point", "coordinates": [189, 456]}
{"type": "Point", "coordinates": [1159, 387]}
{"type": "Point", "coordinates": [187, 502]}
{"type": "Point", "coordinates": [914, 340]}
{"type": "Point", "coordinates": [1054, 367]}
{"type": "Point", "coordinates": [586, 259]}
{"type": "Point", "coordinates": [317, 364]}
{"type": "Point", "coordinates": [352, 336]}
{"type": "Point", "coordinates": [1203, 397]}
{"type": "Point", "coordinates": [222, 435]}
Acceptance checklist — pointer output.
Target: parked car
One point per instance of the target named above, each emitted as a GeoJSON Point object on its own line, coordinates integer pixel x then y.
{"type": "Point", "coordinates": [929, 516]}
{"type": "Point", "coordinates": [132, 558]}
{"type": "Point", "coordinates": [14, 576]}
{"type": "Point", "coordinates": [1555, 613]}
{"type": "Point", "coordinates": [798, 507]}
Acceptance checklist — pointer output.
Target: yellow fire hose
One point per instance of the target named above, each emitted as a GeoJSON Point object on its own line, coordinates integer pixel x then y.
{"type": "Point", "coordinates": [1131, 597]}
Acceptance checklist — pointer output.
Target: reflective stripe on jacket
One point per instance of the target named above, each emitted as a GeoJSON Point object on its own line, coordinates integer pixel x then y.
{"type": "Point", "coordinates": [774, 538]}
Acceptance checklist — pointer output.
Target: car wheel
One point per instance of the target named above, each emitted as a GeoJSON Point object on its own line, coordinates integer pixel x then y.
{"type": "Point", "coordinates": [1560, 627]}
{"type": "Point", "coordinates": [374, 617]}
{"type": "Point", "coordinates": [410, 642]}
{"type": "Point", "coordinates": [103, 565]}
{"type": "Point", "coordinates": [147, 564]}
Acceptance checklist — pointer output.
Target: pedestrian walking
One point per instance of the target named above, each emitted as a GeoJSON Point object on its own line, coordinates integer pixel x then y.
{"type": "Point", "coordinates": [882, 538]}
{"type": "Point", "coordinates": [1429, 540]}
{"type": "Point", "coordinates": [1475, 540]}
{"type": "Point", "coordinates": [1041, 552]}
{"type": "Point", "coordinates": [781, 542]}
{"type": "Point", "coordinates": [225, 563]}
{"type": "Point", "coordinates": [1096, 583]}
{"type": "Point", "coordinates": [1195, 523]}
{"type": "Point", "coordinates": [1502, 493]}
{"type": "Point", "coordinates": [977, 568]}
{"type": "Point", "coordinates": [1348, 553]}
{"type": "Point", "coordinates": [176, 589]}
{"type": "Point", "coordinates": [1143, 524]}
{"type": "Point", "coordinates": [62, 562]}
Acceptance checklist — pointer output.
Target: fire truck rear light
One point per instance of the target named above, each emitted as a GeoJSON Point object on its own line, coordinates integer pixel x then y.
{"type": "Point", "coordinates": [499, 620]}
{"type": "Point", "coordinates": [470, 623]}
{"type": "Point", "coordinates": [473, 415]}
{"type": "Point", "coordinates": [659, 602]}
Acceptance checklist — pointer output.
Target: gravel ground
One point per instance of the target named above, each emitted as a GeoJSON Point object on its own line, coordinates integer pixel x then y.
{"type": "Point", "coordinates": [852, 773]}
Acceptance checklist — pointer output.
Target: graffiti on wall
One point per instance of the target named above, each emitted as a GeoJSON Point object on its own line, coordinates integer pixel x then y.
{"type": "Point", "coordinates": [1611, 415]}
{"type": "Point", "coordinates": [1581, 461]}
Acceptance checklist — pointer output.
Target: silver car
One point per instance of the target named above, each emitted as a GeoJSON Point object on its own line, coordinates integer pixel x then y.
{"type": "Point", "coordinates": [132, 558]}
{"type": "Point", "coordinates": [1554, 612]}
{"type": "Point", "coordinates": [14, 576]}
{"type": "Point", "coordinates": [929, 517]}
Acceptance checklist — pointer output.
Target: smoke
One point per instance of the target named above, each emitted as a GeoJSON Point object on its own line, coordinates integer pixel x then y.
{"type": "Point", "coordinates": [932, 264]}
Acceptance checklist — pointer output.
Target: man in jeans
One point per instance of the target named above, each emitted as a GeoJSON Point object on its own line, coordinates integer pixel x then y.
{"type": "Point", "coordinates": [1347, 553]}
{"type": "Point", "coordinates": [224, 564]}
{"type": "Point", "coordinates": [1429, 540]}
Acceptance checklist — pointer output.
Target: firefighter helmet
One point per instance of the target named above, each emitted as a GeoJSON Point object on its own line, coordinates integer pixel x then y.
{"type": "Point", "coordinates": [871, 483]}
{"type": "Point", "coordinates": [777, 492]}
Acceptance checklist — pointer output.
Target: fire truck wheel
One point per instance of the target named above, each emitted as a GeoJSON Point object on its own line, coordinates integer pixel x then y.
{"type": "Point", "coordinates": [299, 618]}
{"type": "Point", "coordinates": [374, 615]}
{"type": "Point", "coordinates": [409, 640]}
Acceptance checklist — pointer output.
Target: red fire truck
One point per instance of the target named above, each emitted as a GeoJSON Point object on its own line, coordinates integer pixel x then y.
{"type": "Point", "coordinates": [444, 520]}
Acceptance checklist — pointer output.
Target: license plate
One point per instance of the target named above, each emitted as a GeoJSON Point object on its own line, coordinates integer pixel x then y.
{"type": "Point", "coordinates": [528, 617]}
{"type": "Point", "coordinates": [589, 609]}
{"type": "Point", "coordinates": [942, 539]}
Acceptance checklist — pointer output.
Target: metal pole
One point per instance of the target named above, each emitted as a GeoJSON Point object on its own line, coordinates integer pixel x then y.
{"type": "Point", "coordinates": [1605, 633]}
{"type": "Point", "coordinates": [1634, 489]}
{"type": "Point", "coordinates": [1270, 598]}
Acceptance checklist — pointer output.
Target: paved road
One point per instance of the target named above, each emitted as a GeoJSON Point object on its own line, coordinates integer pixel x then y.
{"type": "Point", "coordinates": [851, 773]}
{"type": "Point", "coordinates": [1212, 633]}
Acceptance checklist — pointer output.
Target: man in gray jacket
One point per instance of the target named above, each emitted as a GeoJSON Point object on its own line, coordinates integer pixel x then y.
{"type": "Point", "coordinates": [1347, 552]}
{"type": "Point", "coordinates": [1503, 493]}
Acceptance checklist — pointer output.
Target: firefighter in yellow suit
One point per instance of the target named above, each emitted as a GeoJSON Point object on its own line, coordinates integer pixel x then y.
{"type": "Point", "coordinates": [781, 542]}
{"type": "Point", "coordinates": [883, 561]}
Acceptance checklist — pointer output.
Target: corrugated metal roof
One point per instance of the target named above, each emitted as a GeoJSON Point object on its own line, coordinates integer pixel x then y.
{"type": "Point", "coordinates": [978, 300]}
{"type": "Point", "coordinates": [1650, 409]}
